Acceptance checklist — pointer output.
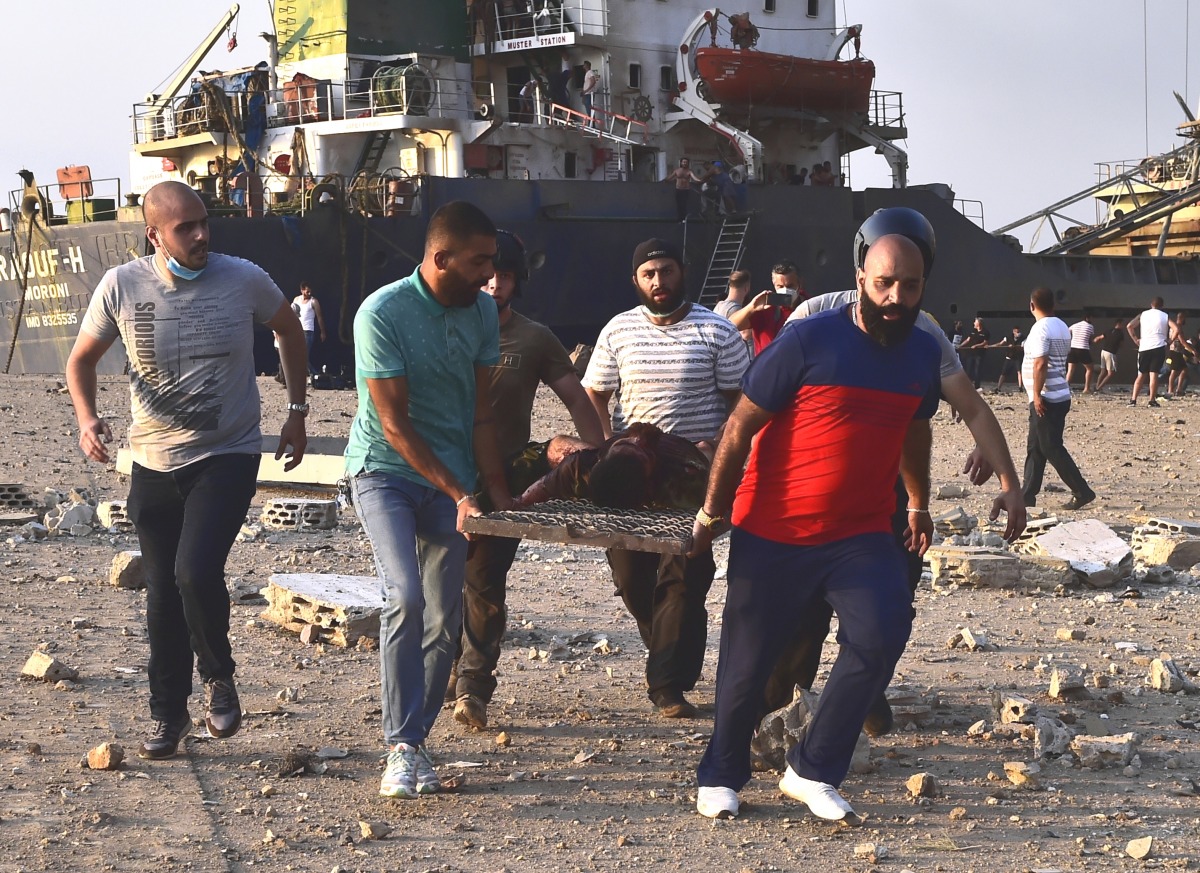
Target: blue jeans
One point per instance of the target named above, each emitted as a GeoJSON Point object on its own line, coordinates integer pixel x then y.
{"type": "Point", "coordinates": [310, 337]}
{"type": "Point", "coordinates": [186, 522]}
{"type": "Point", "coordinates": [420, 558]}
{"type": "Point", "coordinates": [771, 586]}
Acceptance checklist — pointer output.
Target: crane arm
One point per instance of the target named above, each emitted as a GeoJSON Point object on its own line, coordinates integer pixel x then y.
{"type": "Point", "coordinates": [159, 103]}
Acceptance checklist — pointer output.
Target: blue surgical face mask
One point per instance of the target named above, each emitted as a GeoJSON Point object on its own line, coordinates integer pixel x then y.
{"type": "Point", "coordinates": [178, 269]}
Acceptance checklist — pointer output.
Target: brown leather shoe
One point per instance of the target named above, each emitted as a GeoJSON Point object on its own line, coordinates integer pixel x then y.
{"type": "Point", "coordinates": [672, 704]}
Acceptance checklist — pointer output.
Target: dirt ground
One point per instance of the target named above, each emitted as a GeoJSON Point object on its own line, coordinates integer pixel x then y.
{"type": "Point", "coordinates": [590, 779]}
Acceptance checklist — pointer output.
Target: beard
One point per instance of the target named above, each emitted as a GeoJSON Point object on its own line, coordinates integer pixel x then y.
{"type": "Point", "coordinates": [884, 332]}
{"type": "Point", "coordinates": [673, 300]}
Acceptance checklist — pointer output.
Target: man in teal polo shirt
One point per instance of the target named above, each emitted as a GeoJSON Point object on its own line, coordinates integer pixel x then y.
{"type": "Point", "coordinates": [424, 347]}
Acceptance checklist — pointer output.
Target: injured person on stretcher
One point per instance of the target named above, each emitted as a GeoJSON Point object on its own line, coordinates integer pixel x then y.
{"type": "Point", "coordinates": [640, 468]}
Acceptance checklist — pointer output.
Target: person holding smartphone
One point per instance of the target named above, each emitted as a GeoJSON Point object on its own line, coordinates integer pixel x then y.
{"type": "Point", "coordinates": [768, 310]}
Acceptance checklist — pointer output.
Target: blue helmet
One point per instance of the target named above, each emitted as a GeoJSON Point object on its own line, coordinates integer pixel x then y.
{"type": "Point", "coordinates": [896, 220]}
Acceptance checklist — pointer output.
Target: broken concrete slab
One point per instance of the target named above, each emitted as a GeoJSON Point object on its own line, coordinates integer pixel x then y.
{"type": "Point", "coordinates": [1095, 550]}
{"type": "Point", "coordinates": [1023, 775]}
{"type": "Point", "coordinates": [1166, 676]}
{"type": "Point", "coordinates": [1051, 738]}
{"type": "Point", "coordinates": [971, 640]}
{"type": "Point", "coordinates": [65, 517]}
{"type": "Point", "coordinates": [126, 570]}
{"type": "Point", "coordinates": [296, 514]}
{"type": "Point", "coordinates": [1035, 527]}
{"type": "Point", "coordinates": [1067, 683]}
{"type": "Point", "coordinates": [780, 730]}
{"type": "Point", "coordinates": [1013, 708]}
{"type": "Point", "coordinates": [346, 608]}
{"type": "Point", "coordinates": [16, 517]}
{"type": "Point", "coordinates": [973, 567]}
{"type": "Point", "coordinates": [1097, 753]}
{"type": "Point", "coordinates": [1152, 546]}
{"type": "Point", "coordinates": [47, 668]}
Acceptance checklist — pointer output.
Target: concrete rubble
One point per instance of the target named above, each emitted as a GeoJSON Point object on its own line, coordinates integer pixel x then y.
{"type": "Point", "coordinates": [126, 570]}
{"type": "Point", "coordinates": [1096, 552]}
{"type": "Point", "coordinates": [955, 522]}
{"type": "Point", "coordinates": [1067, 683]}
{"type": "Point", "coordinates": [1167, 541]}
{"type": "Point", "coordinates": [1140, 849]}
{"type": "Point", "coordinates": [1098, 753]}
{"type": "Point", "coordinates": [780, 730]}
{"type": "Point", "coordinates": [922, 785]}
{"type": "Point", "coordinates": [1051, 737]}
{"type": "Point", "coordinates": [346, 608]}
{"type": "Point", "coordinates": [1166, 676]}
{"type": "Point", "coordinates": [47, 668]}
{"type": "Point", "coordinates": [75, 515]}
{"type": "Point", "coordinates": [295, 514]}
{"type": "Point", "coordinates": [971, 640]}
{"type": "Point", "coordinates": [106, 756]}
{"type": "Point", "coordinates": [993, 567]}
{"type": "Point", "coordinates": [1023, 775]}
{"type": "Point", "coordinates": [113, 515]}
{"type": "Point", "coordinates": [1014, 709]}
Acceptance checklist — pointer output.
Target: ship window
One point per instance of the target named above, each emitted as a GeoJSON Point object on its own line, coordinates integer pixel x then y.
{"type": "Point", "coordinates": [768, 5]}
{"type": "Point", "coordinates": [813, 8]}
{"type": "Point", "coordinates": [635, 75]}
{"type": "Point", "coordinates": [666, 78]}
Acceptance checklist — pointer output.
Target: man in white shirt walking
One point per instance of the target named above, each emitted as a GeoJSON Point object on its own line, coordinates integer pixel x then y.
{"type": "Point", "coordinates": [308, 308]}
{"type": "Point", "coordinates": [1153, 331]}
{"type": "Point", "coordinates": [1044, 372]}
{"type": "Point", "coordinates": [1081, 352]}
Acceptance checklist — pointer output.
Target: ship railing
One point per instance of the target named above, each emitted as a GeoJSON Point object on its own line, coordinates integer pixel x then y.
{"type": "Point", "coordinates": [519, 25]}
{"type": "Point", "coordinates": [414, 89]}
{"type": "Point", "coordinates": [972, 210]}
{"type": "Point", "coordinates": [601, 123]}
{"type": "Point", "coordinates": [67, 203]}
{"type": "Point", "coordinates": [1176, 166]}
{"type": "Point", "coordinates": [886, 109]}
{"type": "Point", "coordinates": [189, 114]}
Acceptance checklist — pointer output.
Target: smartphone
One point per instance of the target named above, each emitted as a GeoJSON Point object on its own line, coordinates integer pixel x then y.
{"type": "Point", "coordinates": [779, 298]}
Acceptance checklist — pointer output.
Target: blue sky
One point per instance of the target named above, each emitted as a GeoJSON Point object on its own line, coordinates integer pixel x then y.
{"type": "Point", "coordinates": [1010, 103]}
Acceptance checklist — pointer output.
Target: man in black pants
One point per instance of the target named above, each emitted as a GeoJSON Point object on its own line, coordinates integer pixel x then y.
{"type": "Point", "coordinates": [530, 355]}
{"type": "Point", "coordinates": [194, 438]}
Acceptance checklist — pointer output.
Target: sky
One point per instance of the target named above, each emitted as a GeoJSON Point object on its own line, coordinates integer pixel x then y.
{"type": "Point", "coordinates": [1012, 104]}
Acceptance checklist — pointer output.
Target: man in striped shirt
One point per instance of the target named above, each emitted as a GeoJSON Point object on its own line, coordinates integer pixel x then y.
{"type": "Point", "coordinates": [677, 366]}
{"type": "Point", "coordinates": [1044, 372]}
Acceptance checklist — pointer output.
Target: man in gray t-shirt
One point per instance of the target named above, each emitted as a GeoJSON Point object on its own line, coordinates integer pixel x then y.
{"type": "Point", "coordinates": [187, 320]}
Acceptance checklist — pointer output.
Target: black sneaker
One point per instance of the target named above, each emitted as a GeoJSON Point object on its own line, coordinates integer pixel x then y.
{"type": "Point", "coordinates": [1131, 403]}
{"type": "Point", "coordinates": [1154, 403]}
{"type": "Point", "coordinates": [1078, 502]}
{"type": "Point", "coordinates": [224, 715]}
{"type": "Point", "coordinates": [164, 740]}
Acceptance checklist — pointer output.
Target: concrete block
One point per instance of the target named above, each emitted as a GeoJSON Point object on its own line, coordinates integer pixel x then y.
{"type": "Point", "coordinates": [43, 666]}
{"type": "Point", "coordinates": [1096, 552]}
{"type": "Point", "coordinates": [299, 514]}
{"type": "Point", "coordinates": [126, 570]}
{"type": "Point", "coordinates": [112, 514]}
{"type": "Point", "coordinates": [1051, 738]}
{"type": "Point", "coordinates": [1045, 573]}
{"type": "Point", "coordinates": [1066, 682]}
{"type": "Point", "coordinates": [1174, 526]}
{"type": "Point", "coordinates": [1154, 546]}
{"type": "Point", "coordinates": [956, 521]}
{"type": "Point", "coordinates": [1097, 753]}
{"type": "Point", "coordinates": [1014, 709]}
{"type": "Point", "coordinates": [1166, 676]}
{"type": "Point", "coordinates": [973, 566]}
{"type": "Point", "coordinates": [62, 518]}
{"type": "Point", "coordinates": [346, 608]}
{"type": "Point", "coordinates": [1036, 527]}
{"type": "Point", "coordinates": [14, 497]}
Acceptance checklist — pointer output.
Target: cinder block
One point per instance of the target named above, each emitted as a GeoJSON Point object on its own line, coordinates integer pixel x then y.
{"type": "Point", "coordinates": [14, 497]}
{"type": "Point", "coordinates": [113, 514]}
{"type": "Point", "coordinates": [300, 514]}
{"type": "Point", "coordinates": [345, 608]}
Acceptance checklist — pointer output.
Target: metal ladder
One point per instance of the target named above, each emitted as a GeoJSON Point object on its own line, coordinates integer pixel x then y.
{"type": "Point", "coordinates": [372, 152]}
{"type": "Point", "coordinates": [727, 254]}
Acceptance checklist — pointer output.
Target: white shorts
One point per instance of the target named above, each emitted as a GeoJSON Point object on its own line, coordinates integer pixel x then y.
{"type": "Point", "coordinates": [1108, 361]}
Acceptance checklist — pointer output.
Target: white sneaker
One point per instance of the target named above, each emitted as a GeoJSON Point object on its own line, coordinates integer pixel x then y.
{"type": "Point", "coordinates": [427, 778]}
{"type": "Point", "coordinates": [400, 775]}
{"type": "Point", "coordinates": [821, 798]}
{"type": "Point", "coordinates": [713, 801]}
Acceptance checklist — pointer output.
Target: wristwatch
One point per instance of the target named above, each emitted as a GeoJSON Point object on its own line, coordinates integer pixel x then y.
{"type": "Point", "coordinates": [302, 408]}
{"type": "Point", "coordinates": [709, 521]}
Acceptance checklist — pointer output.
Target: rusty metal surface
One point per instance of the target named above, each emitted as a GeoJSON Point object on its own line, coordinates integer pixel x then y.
{"type": "Point", "coordinates": [581, 523]}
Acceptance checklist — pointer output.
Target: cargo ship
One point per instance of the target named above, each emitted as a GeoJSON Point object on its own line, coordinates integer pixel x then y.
{"type": "Point", "coordinates": [561, 119]}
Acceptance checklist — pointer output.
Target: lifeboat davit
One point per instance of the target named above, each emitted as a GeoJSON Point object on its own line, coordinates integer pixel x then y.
{"type": "Point", "coordinates": [737, 77]}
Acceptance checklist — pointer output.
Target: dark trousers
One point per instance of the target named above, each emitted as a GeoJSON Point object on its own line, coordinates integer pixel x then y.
{"type": "Point", "coordinates": [665, 594]}
{"type": "Point", "coordinates": [1045, 444]}
{"type": "Point", "coordinates": [187, 521]}
{"type": "Point", "coordinates": [310, 336]}
{"type": "Point", "coordinates": [973, 363]}
{"type": "Point", "coordinates": [682, 201]}
{"type": "Point", "coordinates": [484, 614]}
{"type": "Point", "coordinates": [801, 657]}
{"type": "Point", "coordinates": [770, 586]}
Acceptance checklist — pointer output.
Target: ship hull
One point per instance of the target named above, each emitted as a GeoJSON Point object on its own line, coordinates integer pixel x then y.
{"type": "Point", "coordinates": [586, 234]}
{"type": "Point", "coordinates": [749, 78]}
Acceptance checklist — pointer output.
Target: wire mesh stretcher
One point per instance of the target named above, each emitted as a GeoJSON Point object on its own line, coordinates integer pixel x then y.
{"type": "Point", "coordinates": [582, 523]}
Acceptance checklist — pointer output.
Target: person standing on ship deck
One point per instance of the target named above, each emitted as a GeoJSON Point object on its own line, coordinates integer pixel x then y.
{"type": "Point", "coordinates": [312, 319]}
{"type": "Point", "coordinates": [682, 177]}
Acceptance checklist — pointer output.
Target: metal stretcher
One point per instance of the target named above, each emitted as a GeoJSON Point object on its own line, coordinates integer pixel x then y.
{"type": "Point", "coordinates": [582, 523]}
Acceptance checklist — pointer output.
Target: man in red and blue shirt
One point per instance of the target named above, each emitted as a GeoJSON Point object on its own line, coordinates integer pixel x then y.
{"type": "Point", "coordinates": [830, 412]}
